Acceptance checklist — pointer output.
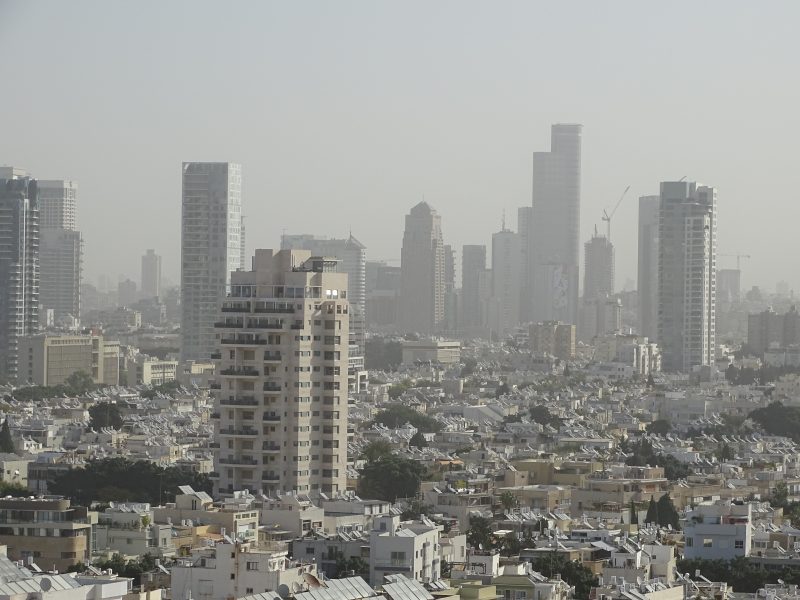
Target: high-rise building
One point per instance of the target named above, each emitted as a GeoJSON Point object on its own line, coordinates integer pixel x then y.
{"type": "Point", "coordinates": [687, 274]}
{"type": "Point", "coordinates": [648, 266]}
{"type": "Point", "coordinates": [281, 388]}
{"type": "Point", "coordinates": [504, 304]}
{"type": "Point", "coordinates": [473, 263]}
{"type": "Point", "coordinates": [127, 293]}
{"type": "Point", "coordinates": [351, 257]}
{"type": "Point", "coordinates": [151, 275]}
{"type": "Point", "coordinates": [422, 272]}
{"type": "Point", "coordinates": [598, 275]}
{"type": "Point", "coordinates": [555, 227]}
{"type": "Point", "coordinates": [383, 295]}
{"type": "Point", "coordinates": [451, 295]}
{"type": "Point", "coordinates": [19, 265]}
{"type": "Point", "coordinates": [554, 338]}
{"type": "Point", "coordinates": [60, 249]}
{"type": "Point", "coordinates": [524, 230]}
{"type": "Point", "coordinates": [211, 249]}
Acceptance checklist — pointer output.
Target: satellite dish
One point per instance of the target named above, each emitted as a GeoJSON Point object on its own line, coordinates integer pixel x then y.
{"type": "Point", "coordinates": [45, 584]}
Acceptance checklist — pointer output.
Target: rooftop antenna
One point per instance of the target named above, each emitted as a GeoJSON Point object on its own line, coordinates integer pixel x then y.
{"type": "Point", "coordinates": [504, 219]}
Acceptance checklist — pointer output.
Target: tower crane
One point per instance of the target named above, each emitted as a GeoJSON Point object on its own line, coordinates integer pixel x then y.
{"type": "Point", "coordinates": [739, 258]}
{"type": "Point", "coordinates": [607, 217]}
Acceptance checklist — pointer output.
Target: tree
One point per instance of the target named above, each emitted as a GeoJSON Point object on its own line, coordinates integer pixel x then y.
{"type": "Point", "coordinates": [634, 514]}
{"type": "Point", "coordinates": [540, 414]}
{"type": "Point", "coordinates": [659, 426]}
{"type": "Point", "coordinates": [445, 568]}
{"type": "Point", "coordinates": [652, 512]}
{"type": "Point", "coordinates": [398, 415]}
{"type": "Point", "coordinates": [105, 414]}
{"type": "Point", "coordinates": [508, 500]}
{"type": "Point", "coordinates": [501, 390]}
{"type": "Point", "coordinates": [573, 572]}
{"type": "Point", "coordinates": [779, 497]}
{"type": "Point", "coordinates": [418, 440]}
{"type": "Point", "coordinates": [390, 477]}
{"type": "Point", "coordinates": [80, 382]}
{"type": "Point", "coordinates": [6, 441]}
{"type": "Point", "coordinates": [724, 452]}
{"type": "Point", "coordinates": [667, 513]}
{"type": "Point", "coordinates": [376, 450]}
{"type": "Point", "coordinates": [415, 509]}
{"type": "Point", "coordinates": [479, 535]}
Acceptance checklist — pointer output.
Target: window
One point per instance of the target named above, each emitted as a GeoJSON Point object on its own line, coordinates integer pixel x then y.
{"type": "Point", "coordinates": [738, 544]}
{"type": "Point", "coordinates": [708, 543]}
{"type": "Point", "coordinates": [689, 542]}
{"type": "Point", "coordinates": [252, 566]}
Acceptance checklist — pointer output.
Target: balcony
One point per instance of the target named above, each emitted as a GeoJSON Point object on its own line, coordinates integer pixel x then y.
{"type": "Point", "coordinates": [237, 460]}
{"type": "Point", "coordinates": [270, 447]}
{"type": "Point", "coordinates": [268, 310]}
{"type": "Point", "coordinates": [215, 386]}
{"type": "Point", "coordinates": [240, 431]}
{"type": "Point", "coordinates": [237, 308]}
{"type": "Point", "coordinates": [243, 341]}
{"type": "Point", "coordinates": [240, 371]}
{"type": "Point", "coordinates": [271, 417]}
{"type": "Point", "coordinates": [270, 477]}
{"type": "Point", "coordinates": [216, 355]}
{"type": "Point", "coordinates": [271, 386]}
{"type": "Point", "coordinates": [229, 324]}
{"type": "Point", "coordinates": [240, 401]}
{"type": "Point", "coordinates": [272, 357]}
{"type": "Point", "coordinates": [257, 325]}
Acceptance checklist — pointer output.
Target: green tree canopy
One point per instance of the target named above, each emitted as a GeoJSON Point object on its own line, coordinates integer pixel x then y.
{"type": "Point", "coordinates": [573, 572]}
{"type": "Point", "coordinates": [540, 414]}
{"type": "Point", "coordinates": [105, 414]}
{"type": "Point", "coordinates": [480, 532]}
{"type": "Point", "coordinates": [398, 415]}
{"type": "Point", "coordinates": [659, 426]}
{"type": "Point", "coordinates": [6, 441]}
{"type": "Point", "coordinates": [390, 477]}
{"type": "Point", "coordinates": [376, 450]}
{"type": "Point", "coordinates": [418, 440]}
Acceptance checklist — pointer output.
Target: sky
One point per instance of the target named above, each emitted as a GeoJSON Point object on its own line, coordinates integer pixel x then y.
{"type": "Point", "coordinates": [346, 114]}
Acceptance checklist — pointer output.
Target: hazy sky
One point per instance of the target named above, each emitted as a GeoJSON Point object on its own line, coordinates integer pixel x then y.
{"type": "Point", "coordinates": [344, 114]}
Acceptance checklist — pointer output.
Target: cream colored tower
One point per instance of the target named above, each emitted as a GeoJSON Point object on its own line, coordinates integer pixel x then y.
{"type": "Point", "coordinates": [281, 384]}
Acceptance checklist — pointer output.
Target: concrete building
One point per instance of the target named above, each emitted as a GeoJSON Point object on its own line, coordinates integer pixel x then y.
{"type": "Point", "coordinates": [445, 352]}
{"type": "Point", "coordinates": [281, 392]}
{"type": "Point", "coordinates": [383, 295]}
{"type": "Point", "coordinates": [236, 570]}
{"type": "Point", "coordinates": [293, 513]}
{"type": "Point", "coordinates": [451, 294]}
{"type": "Point", "coordinates": [422, 276]}
{"type": "Point", "coordinates": [769, 329]}
{"type": "Point", "coordinates": [47, 530]}
{"type": "Point", "coordinates": [637, 352]}
{"type": "Point", "coordinates": [129, 529]}
{"type": "Point", "coordinates": [19, 265]}
{"type": "Point", "coordinates": [49, 359]}
{"type": "Point", "coordinates": [525, 230]}
{"type": "Point", "coordinates": [211, 248]}
{"type": "Point", "coordinates": [600, 315]}
{"type": "Point", "coordinates": [473, 263]}
{"type": "Point", "coordinates": [598, 275]}
{"type": "Point", "coordinates": [504, 308]}
{"type": "Point", "coordinates": [151, 370]}
{"type": "Point", "coordinates": [729, 285]}
{"type": "Point", "coordinates": [127, 293]}
{"type": "Point", "coordinates": [554, 338]}
{"type": "Point", "coordinates": [687, 274]}
{"type": "Point", "coordinates": [410, 549]}
{"type": "Point", "coordinates": [60, 249]}
{"type": "Point", "coordinates": [151, 275]}
{"type": "Point", "coordinates": [555, 227]}
{"type": "Point", "coordinates": [648, 265]}
{"type": "Point", "coordinates": [720, 531]}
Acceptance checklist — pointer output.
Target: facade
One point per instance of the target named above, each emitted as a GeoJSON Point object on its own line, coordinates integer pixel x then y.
{"type": "Point", "coordinates": [211, 248]}
{"type": "Point", "coordinates": [422, 277]}
{"type": "Point", "coordinates": [383, 295]}
{"type": "Point", "coordinates": [719, 531]}
{"type": "Point", "coordinates": [473, 263]}
{"type": "Point", "coordinates": [19, 265]}
{"type": "Point", "coordinates": [150, 370]}
{"type": "Point", "coordinates": [410, 549]}
{"type": "Point", "coordinates": [451, 295]}
{"type": "Point", "coordinates": [281, 389]}
{"type": "Point", "coordinates": [600, 315]}
{"type": "Point", "coordinates": [554, 338]}
{"type": "Point", "coordinates": [151, 275]}
{"type": "Point", "coordinates": [524, 228]}
{"type": "Point", "coordinates": [634, 351]}
{"type": "Point", "coordinates": [504, 307]}
{"type": "Point", "coordinates": [60, 249]}
{"type": "Point", "coordinates": [687, 274]}
{"type": "Point", "coordinates": [128, 528]}
{"type": "Point", "coordinates": [598, 276]}
{"type": "Point", "coordinates": [48, 359]}
{"type": "Point", "coordinates": [49, 531]}
{"type": "Point", "coordinates": [555, 227]}
{"type": "Point", "coordinates": [729, 285]}
{"type": "Point", "coordinates": [769, 329]}
{"type": "Point", "coordinates": [443, 352]}
{"type": "Point", "coordinates": [648, 265]}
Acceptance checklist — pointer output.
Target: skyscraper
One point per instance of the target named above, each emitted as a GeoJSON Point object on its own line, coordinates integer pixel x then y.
{"type": "Point", "coordinates": [60, 249]}
{"type": "Point", "coordinates": [524, 225]}
{"type": "Point", "coordinates": [422, 272]}
{"type": "Point", "coordinates": [211, 239]}
{"type": "Point", "coordinates": [473, 264]}
{"type": "Point", "coordinates": [555, 226]}
{"type": "Point", "coordinates": [450, 323]}
{"type": "Point", "coordinates": [598, 275]}
{"type": "Point", "coordinates": [648, 266]}
{"type": "Point", "coordinates": [19, 265]}
{"type": "Point", "coordinates": [281, 389]}
{"type": "Point", "coordinates": [352, 260]}
{"type": "Point", "coordinates": [504, 303]}
{"type": "Point", "coordinates": [151, 275]}
{"type": "Point", "coordinates": [687, 273]}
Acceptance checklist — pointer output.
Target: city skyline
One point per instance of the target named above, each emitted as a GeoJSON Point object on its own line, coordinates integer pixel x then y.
{"type": "Point", "coordinates": [485, 167]}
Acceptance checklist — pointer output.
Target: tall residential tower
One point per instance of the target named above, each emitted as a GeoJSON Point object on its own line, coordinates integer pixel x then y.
{"type": "Point", "coordinates": [211, 248]}
{"type": "Point", "coordinates": [647, 284]}
{"type": "Point", "coordinates": [151, 275]}
{"type": "Point", "coordinates": [687, 274]}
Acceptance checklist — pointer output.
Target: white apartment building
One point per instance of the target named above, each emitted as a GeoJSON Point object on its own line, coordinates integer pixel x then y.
{"type": "Point", "coordinates": [647, 268]}
{"type": "Point", "coordinates": [151, 275]}
{"type": "Point", "coordinates": [410, 549]}
{"type": "Point", "coordinates": [150, 370]}
{"type": "Point", "coordinates": [211, 248]}
{"type": "Point", "coordinates": [718, 531]}
{"type": "Point", "coordinates": [281, 388]}
{"type": "Point", "coordinates": [234, 570]}
{"type": "Point", "coordinates": [129, 529]}
{"type": "Point", "coordinates": [47, 359]}
{"type": "Point", "coordinates": [687, 274]}
{"type": "Point", "coordinates": [503, 309]}
{"type": "Point", "coordinates": [446, 352]}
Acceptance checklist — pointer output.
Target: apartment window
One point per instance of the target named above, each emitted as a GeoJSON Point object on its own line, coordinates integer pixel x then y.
{"type": "Point", "coordinates": [738, 544]}
{"type": "Point", "coordinates": [689, 542]}
{"type": "Point", "coordinates": [252, 566]}
{"type": "Point", "coordinates": [708, 543]}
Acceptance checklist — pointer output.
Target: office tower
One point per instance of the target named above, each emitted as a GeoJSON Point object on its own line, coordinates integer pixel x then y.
{"type": "Point", "coordinates": [127, 293]}
{"type": "Point", "coordinates": [450, 323]}
{"type": "Point", "coordinates": [281, 387]}
{"type": "Point", "coordinates": [524, 224]}
{"type": "Point", "coordinates": [351, 259]}
{"type": "Point", "coordinates": [555, 227]}
{"type": "Point", "coordinates": [598, 276]}
{"type": "Point", "coordinates": [383, 295]}
{"type": "Point", "coordinates": [60, 250]}
{"type": "Point", "coordinates": [422, 272]}
{"type": "Point", "coordinates": [151, 275]}
{"type": "Point", "coordinates": [648, 266]}
{"type": "Point", "coordinates": [504, 306]}
{"type": "Point", "coordinates": [211, 238]}
{"type": "Point", "coordinates": [19, 265]}
{"type": "Point", "coordinates": [473, 263]}
{"type": "Point", "coordinates": [52, 358]}
{"type": "Point", "coordinates": [687, 273]}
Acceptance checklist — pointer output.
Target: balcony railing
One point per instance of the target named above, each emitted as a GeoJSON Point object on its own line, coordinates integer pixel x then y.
{"type": "Point", "coordinates": [241, 431]}
{"type": "Point", "coordinates": [242, 341]}
{"type": "Point", "coordinates": [271, 417]}
{"type": "Point", "coordinates": [237, 460]}
{"type": "Point", "coordinates": [271, 386]}
{"type": "Point", "coordinates": [245, 371]}
{"type": "Point", "coordinates": [240, 401]}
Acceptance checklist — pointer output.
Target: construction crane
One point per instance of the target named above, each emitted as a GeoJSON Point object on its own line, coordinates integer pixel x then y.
{"type": "Point", "coordinates": [739, 258]}
{"type": "Point", "coordinates": [607, 217]}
